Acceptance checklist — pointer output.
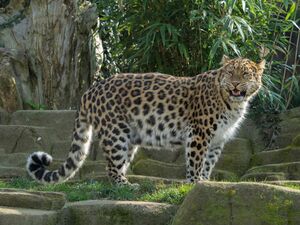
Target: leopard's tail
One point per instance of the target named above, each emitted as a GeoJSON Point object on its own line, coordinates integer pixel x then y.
{"type": "Point", "coordinates": [82, 138]}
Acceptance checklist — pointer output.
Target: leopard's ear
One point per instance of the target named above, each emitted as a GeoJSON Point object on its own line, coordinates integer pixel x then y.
{"type": "Point", "coordinates": [225, 59]}
{"type": "Point", "coordinates": [261, 66]}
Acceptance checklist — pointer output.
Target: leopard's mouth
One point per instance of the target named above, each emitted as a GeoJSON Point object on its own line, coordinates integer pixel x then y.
{"type": "Point", "coordinates": [237, 93]}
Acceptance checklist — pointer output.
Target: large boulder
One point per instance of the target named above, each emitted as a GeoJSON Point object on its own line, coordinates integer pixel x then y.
{"type": "Point", "coordinates": [239, 203]}
{"type": "Point", "coordinates": [106, 212]}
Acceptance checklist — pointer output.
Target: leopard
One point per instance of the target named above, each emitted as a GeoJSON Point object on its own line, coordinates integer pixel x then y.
{"type": "Point", "coordinates": [130, 110]}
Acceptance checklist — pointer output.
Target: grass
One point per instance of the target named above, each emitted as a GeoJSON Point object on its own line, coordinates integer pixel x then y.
{"type": "Point", "coordinates": [292, 185]}
{"type": "Point", "coordinates": [172, 194]}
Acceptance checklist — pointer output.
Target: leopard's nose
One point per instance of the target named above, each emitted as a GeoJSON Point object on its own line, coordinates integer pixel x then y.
{"type": "Point", "coordinates": [235, 83]}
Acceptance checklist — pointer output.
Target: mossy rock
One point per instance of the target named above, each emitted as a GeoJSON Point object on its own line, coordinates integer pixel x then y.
{"type": "Point", "coordinates": [291, 170]}
{"type": "Point", "coordinates": [239, 203]}
{"type": "Point", "coordinates": [19, 138]}
{"type": "Point", "coordinates": [9, 172]}
{"type": "Point", "coordinates": [290, 114]}
{"type": "Point", "coordinates": [236, 156]}
{"type": "Point", "coordinates": [149, 167]}
{"type": "Point", "coordinates": [32, 199]}
{"type": "Point", "coordinates": [289, 128]}
{"type": "Point", "coordinates": [62, 121]}
{"type": "Point", "coordinates": [296, 141]}
{"type": "Point", "coordinates": [16, 216]}
{"type": "Point", "coordinates": [264, 176]}
{"type": "Point", "coordinates": [284, 155]}
{"type": "Point", "coordinates": [106, 212]}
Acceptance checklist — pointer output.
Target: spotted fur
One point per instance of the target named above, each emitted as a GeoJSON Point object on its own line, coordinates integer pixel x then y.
{"type": "Point", "coordinates": [126, 111]}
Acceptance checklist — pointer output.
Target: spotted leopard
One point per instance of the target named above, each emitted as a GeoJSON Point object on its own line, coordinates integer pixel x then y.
{"type": "Point", "coordinates": [156, 110]}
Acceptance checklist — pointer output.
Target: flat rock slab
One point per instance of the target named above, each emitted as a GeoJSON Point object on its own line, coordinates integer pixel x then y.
{"type": "Point", "coordinates": [13, 160]}
{"type": "Point", "coordinates": [9, 172]}
{"type": "Point", "coordinates": [106, 212]}
{"type": "Point", "coordinates": [239, 203]}
{"type": "Point", "coordinates": [285, 155]}
{"type": "Point", "coordinates": [291, 170]}
{"type": "Point", "coordinates": [61, 120]}
{"type": "Point", "coordinates": [20, 216]}
{"type": "Point", "coordinates": [154, 168]}
{"type": "Point", "coordinates": [32, 199]}
{"type": "Point", "coordinates": [264, 176]}
{"type": "Point", "coordinates": [19, 138]}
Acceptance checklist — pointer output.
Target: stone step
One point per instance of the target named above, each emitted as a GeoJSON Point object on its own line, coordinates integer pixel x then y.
{"type": "Point", "coordinates": [16, 216]}
{"type": "Point", "coordinates": [154, 168]}
{"type": "Point", "coordinates": [264, 176]}
{"type": "Point", "coordinates": [4, 117]}
{"type": "Point", "coordinates": [32, 199]}
{"type": "Point", "coordinates": [60, 150]}
{"type": "Point", "coordinates": [284, 155]}
{"type": "Point", "coordinates": [10, 172]}
{"type": "Point", "coordinates": [19, 138]}
{"type": "Point", "coordinates": [291, 170]}
{"type": "Point", "coordinates": [107, 212]}
{"type": "Point", "coordinates": [61, 120]}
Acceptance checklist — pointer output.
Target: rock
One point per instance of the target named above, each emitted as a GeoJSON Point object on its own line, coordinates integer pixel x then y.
{"type": "Point", "coordinates": [32, 199]}
{"type": "Point", "coordinates": [251, 131]}
{"type": "Point", "coordinates": [10, 171]}
{"type": "Point", "coordinates": [288, 130]}
{"type": "Point", "coordinates": [168, 156]}
{"type": "Point", "coordinates": [239, 203]}
{"type": "Point", "coordinates": [60, 150]}
{"type": "Point", "coordinates": [288, 154]}
{"type": "Point", "coordinates": [62, 121]}
{"type": "Point", "coordinates": [14, 216]}
{"type": "Point", "coordinates": [16, 138]}
{"type": "Point", "coordinates": [264, 176]}
{"type": "Point", "coordinates": [296, 141]}
{"type": "Point", "coordinates": [223, 175]}
{"type": "Point", "coordinates": [149, 167]}
{"type": "Point", "coordinates": [290, 114]}
{"type": "Point", "coordinates": [13, 160]}
{"type": "Point", "coordinates": [291, 170]}
{"type": "Point", "coordinates": [236, 156]}
{"type": "Point", "coordinates": [4, 117]}
{"type": "Point", "coordinates": [10, 99]}
{"type": "Point", "coordinates": [92, 168]}
{"type": "Point", "coordinates": [107, 212]}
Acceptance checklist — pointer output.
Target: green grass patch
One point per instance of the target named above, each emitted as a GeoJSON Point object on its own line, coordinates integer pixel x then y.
{"type": "Point", "coordinates": [292, 185]}
{"type": "Point", "coordinates": [87, 190]}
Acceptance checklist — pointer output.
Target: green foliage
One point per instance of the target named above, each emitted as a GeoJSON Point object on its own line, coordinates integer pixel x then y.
{"type": "Point", "coordinates": [36, 106]}
{"type": "Point", "coordinates": [172, 194]}
{"type": "Point", "coordinates": [184, 38]}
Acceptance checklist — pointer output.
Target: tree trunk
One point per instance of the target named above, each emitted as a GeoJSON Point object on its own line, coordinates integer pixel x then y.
{"type": "Point", "coordinates": [50, 48]}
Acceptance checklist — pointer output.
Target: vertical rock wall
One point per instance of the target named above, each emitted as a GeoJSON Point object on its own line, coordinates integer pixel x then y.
{"type": "Point", "coordinates": [48, 49]}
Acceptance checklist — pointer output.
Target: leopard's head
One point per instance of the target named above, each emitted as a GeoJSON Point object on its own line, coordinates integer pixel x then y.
{"type": "Point", "coordinates": [240, 79]}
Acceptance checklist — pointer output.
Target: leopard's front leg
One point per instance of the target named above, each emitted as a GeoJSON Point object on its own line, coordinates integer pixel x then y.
{"type": "Point", "coordinates": [211, 158]}
{"type": "Point", "coordinates": [196, 152]}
